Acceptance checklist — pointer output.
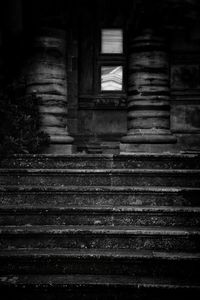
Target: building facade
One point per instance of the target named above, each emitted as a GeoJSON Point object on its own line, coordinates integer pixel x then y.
{"type": "Point", "coordinates": [110, 209]}
{"type": "Point", "coordinates": [110, 77]}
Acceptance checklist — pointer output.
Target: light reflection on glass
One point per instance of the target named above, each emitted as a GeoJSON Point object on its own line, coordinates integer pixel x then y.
{"type": "Point", "coordinates": [111, 78]}
{"type": "Point", "coordinates": [112, 41]}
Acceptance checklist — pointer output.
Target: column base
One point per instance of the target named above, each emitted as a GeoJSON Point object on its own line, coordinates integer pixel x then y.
{"type": "Point", "coordinates": [151, 143]}
{"type": "Point", "coordinates": [147, 148]}
{"type": "Point", "coordinates": [149, 139]}
{"type": "Point", "coordinates": [63, 149]}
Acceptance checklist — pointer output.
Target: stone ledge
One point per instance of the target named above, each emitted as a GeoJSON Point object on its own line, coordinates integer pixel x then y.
{"type": "Point", "coordinates": [165, 149]}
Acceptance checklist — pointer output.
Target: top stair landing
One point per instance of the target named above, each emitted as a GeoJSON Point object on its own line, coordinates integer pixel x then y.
{"type": "Point", "coordinates": [99, 161]}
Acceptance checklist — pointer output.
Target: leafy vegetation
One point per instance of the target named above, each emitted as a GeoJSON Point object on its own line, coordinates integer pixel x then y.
{"type": "Point", "coordinates": [20, 123]}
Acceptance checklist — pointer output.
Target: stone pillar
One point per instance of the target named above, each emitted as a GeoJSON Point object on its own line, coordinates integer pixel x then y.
{"type": "Point", "coordinates": [148, 96]}
{"type": "Point", "coordinates": [47, 79]}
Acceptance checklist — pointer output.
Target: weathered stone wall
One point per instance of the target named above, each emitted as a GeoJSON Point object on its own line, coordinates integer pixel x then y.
{"type": "Point", "coordinates": [72, 79]}
{"type": "Point", "coordinates": [185, 88]}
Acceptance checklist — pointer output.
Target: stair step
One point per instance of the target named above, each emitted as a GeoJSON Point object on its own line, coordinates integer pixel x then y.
{"type": "Point", "coordinates": [100, 237]}
{"type": "Point", "coordinates": [94, 287]}
{"type": "Point", "coordinates": [101, 177]}
{"type": "Point", "coordinates": [94, 195]}
{"type": "Point", "coordinates": [102, 253]}
{"type": "Point", "coordinates": [77, 161]}
{"type": "Point", "coordinates": [102, 215]}
{"type": "Point", "coordinates": [100, 226]}
{"type": "Point", "coordinates": [108, 262]}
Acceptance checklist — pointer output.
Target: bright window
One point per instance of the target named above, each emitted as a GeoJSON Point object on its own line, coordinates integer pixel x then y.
{"type": "Point", "coordinates": [111, 78]}
{"type": "Point", "coordinates": [111, 41]}
{"type": "Point", "coordinates": [111, 61]}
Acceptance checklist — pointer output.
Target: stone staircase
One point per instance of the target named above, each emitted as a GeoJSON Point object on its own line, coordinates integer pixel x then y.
{"type": "Point", "coordinates": [100, 226]}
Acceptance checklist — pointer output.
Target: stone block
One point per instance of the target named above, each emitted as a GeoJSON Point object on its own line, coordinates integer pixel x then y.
{"type": "Point", "coordinates": [147, 148]}
{"type": "Point", "coordinates": [64, 149]}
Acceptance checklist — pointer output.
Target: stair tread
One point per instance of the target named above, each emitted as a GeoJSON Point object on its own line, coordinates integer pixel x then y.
{"type": "Point", "coordinates": [99, 209]}
{"type": "Point", "coordinates": [47, 188]}
{"type": "Point", "coordinates": [128, 155]}
{"type": "Point", "coordinates": [93, 229]}
{"type": "Point", "coordinates": [94, 280]}
{"type": "Point", "coordinates": [98, 171]}
{"type": "Point", "coordinates": [99, 253]}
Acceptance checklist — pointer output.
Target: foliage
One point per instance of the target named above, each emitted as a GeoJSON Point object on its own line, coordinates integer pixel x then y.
{"type": "Point", "coordinates": [19, 123]}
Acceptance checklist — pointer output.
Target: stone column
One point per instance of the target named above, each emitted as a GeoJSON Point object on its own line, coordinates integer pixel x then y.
{"type": "Point", "coordinates": [148, 96]}
{"type": "Point", "coordinates": [47, 79]}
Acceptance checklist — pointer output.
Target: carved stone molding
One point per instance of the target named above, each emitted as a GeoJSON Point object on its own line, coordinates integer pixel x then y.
{"type": "Point", "coordinates": [103, 102]}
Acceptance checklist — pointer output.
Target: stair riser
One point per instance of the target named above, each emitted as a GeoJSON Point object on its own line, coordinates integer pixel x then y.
{"type": "Point", "coordinates": [97, 292]}
{"type": "Point", "coordinates": [138, 219]}
{"type": "Point", "coordinates": [103, 162]}
{"type": "Point", "coordinates": [102, 241]}
{"type": "Point", "coordinates": [58, 163]}
{"type": "Point", "coordinates": [98, 199]}
{"type": "Point", "coordinates": [132, 179]}
{"type": "Point", "coordinates": [149, 163]}
{"type": "Point", "coordinates": [99, 265]}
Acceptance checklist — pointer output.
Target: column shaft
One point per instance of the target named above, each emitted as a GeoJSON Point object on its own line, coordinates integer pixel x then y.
{"type": "Point", "coordinates": [148, 93]}
{"type": "Point", "coordinates": [47, 79]}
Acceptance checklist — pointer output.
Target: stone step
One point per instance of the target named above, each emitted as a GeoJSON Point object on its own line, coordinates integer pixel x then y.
{"type": "Point", "coordinates": [100, 177]}
{"type": "Point", "coordinates": [100, 237]}
{"type": "Point", "coordinates": [99, 287]}
{"type": "Point", "coordinates": [106, 215]}
{"type": "Point", "coordinates": [107, 262]}
{"type": "Point", "coordinates": [99, 161]}
{"type": "Point", "coordinates": [60, 196]}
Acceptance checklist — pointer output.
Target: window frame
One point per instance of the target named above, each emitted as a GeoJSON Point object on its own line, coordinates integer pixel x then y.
{"type": "Point", "coordinates": [110, 59]}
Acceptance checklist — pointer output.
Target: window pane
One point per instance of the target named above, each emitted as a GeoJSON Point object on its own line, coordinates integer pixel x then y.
{"type": "Point", "coordinates": [111, 78]}
{"type": "Point", "coordinates": [111, 41]}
